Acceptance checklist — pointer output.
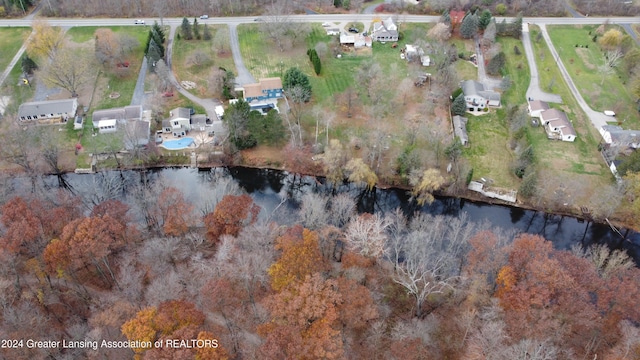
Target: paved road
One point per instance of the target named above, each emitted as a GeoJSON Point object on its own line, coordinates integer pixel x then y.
{"type": "Point", "coordinates": [244, 76]}
{"type": "Point", "coordinates": [320, 18]}
{"type": "Point", "coordinates": [597, 118]}
{"type": "Point", "coordinates": [534, 91]}
{"type": "Point", "coordinates": [138, 92]}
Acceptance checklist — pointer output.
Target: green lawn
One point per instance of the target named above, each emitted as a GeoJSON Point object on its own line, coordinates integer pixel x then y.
{"type": "Point", "coordinates": [610, 92]}
{"type": "Point", "coordinates": [517, 69]}
{"type": "Point", "coordinates": [123, 83]}
{"type": "Point", "coordinates": [11, 39]}
{"type": "Point", "coordinates": [580, 161]}
{"type": "Point", "coordinates": [488, 151]}
{"type": "Point", "coordinates": [185, 69]}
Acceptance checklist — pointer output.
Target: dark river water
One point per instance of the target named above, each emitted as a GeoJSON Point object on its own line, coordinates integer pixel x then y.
{"type": "Point", "coordinates": [269, 187]}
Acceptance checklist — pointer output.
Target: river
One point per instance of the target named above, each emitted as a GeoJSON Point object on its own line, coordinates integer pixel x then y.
{"type": "Point", "coordinates": [269, 187]}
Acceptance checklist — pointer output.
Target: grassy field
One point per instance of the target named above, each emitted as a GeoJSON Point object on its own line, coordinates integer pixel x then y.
{"type": "Point", "coordinates": [610, 92]}
{"type": "Point", "coordinates": [488, 152]}
{"type": "Point", "coordinates": [11, 39]}
{"type": "Point", "coordinates": [578, 163]}
{"type": "Point", "coordinates": [185, 69]}
{"type": "Point", "coordinates": [110, 80]}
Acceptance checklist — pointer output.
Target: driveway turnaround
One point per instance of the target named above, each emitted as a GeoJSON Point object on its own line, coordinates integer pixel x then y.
{"type": "Point", "coordinates": [534, 92]}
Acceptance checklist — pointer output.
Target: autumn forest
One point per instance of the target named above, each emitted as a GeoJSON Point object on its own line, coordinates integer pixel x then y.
{"type": "Point", "coordinates": [152, 272]}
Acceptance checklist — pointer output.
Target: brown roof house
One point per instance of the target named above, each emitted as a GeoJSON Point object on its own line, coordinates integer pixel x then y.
{"type": "Point", "coordinates": [557, 125]}
{"type": "Point", "coordinates": [535, 107]}
{"type": "Point", "coordinates": [263, 96]}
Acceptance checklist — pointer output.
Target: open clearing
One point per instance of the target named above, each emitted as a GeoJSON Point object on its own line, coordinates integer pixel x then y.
{"type": "Point", "coordinates": [609, 92]}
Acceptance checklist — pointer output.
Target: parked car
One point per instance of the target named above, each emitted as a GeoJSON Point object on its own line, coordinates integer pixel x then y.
{"type": "Point", "coordinates": [353, 30]}
{"type": "Point", "coordinates": [204, 17]}
{"type": "Point", "coordinates": [139, 22]}
{"type": "Point", "coordinates": [326, 24]}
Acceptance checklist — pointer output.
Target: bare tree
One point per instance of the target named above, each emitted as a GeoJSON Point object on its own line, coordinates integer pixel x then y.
{"type": "Point", "coordinates": [313, 211]}
{"type": "Point", "coordinates": [429, 257]}
{"type": "Point", "coordinates": [342, 209]}
{"type": "Point", "coordinates": [69, 70]}
{"type": "Point", "coordinates": [277, 24]}
{"type": "Point", "coordinates": [296, 96]}
{"type": "Point", "coordinates": [610, 60]}
{"type": "Point", "coordinates": [366, 235]}
{"type": "Point", "coordinates": [441, 32]}
{"type": "Point", "coordinates": [221, 40]}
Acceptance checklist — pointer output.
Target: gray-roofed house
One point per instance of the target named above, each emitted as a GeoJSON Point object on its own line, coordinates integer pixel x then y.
{"type": "Point", "coordinates": [356, 40]}
{"type": "Point", "coordinates": [137, 133]}
{"type": "Point", "coordinates": [557, 125]}
{"type": "Point", "coordinates": [200, 122]}
{"type": "Point", "coordinates": [617, 136]}
{"type": "Point", "coordinates": [535, 107]}
{"type": "Point", "coordinates": [108, 120]}
{"type": "Point", "coordinates": [178, 123]}
{"type": "Point", "coordinates": [477, 97]}
{"type": "Point", "coordinates": [460, 129]}
{"type": "Point", "coordinates": [385, 30]}
{"type": "Point", "coordinates": [48, 112]}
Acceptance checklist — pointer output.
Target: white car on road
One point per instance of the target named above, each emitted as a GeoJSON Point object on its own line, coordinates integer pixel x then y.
{"type": "Point", "coordinates": [139, 22]}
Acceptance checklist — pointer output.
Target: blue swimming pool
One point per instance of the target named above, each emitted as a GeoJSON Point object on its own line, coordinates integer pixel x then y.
{"type": "Point", "coordinates": [178, 144]}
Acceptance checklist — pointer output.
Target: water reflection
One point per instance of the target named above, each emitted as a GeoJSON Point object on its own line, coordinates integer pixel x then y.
{"type": "Point", "coordinates": [269, 187]}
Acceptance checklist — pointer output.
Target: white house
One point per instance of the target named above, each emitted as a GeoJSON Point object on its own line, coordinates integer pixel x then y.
{"type": "Point", "coordinates": [385, 30]}
{"type": "Point", "coordinates": [178, 123]}
{"type": "Point", "coordinates": [477, 97]}
{"type": "Point", "coordinates": [557, 125]}
{"type": "Point", "coordinates": [615, 135]}
{"type": "Point", "coordinates": [108, 120]}
{"type": "Point", "coordinates": [48, 112]}
{"type": "Point", "coordinates": [535, 107]}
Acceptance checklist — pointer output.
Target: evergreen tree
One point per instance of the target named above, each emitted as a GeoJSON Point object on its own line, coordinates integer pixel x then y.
{"type": "Point", "coordinates": [459, 106]}
{"type": "Point", "coordinates": [158, 33]}
{"type": "Point", "coordinates": [206, 33]}
{"type": "Point", "coordinates": [516, 27]}
{"type": "Point", "coordinates": [27, 65]}
{"type": "Point", "coordinates": [446, 18]}
{"type": "Point", "coordinates": [185, 28]}
{"type": "Point", "coordinates": [154, 54]}
{"type": "Point", "coordinates": [469, 26]}
{"type": "Point", "coordinates": [315, 60]}
{"type": "Point", "coordinates": [496, 64]}
{"type": "Point", "coordinates": [295, 77]}
{"type": "Point", "coordinates": [196, 30]}
{"type": "Point", "coordinates": [485, 19]}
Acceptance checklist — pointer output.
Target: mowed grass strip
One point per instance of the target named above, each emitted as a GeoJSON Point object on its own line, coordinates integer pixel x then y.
{"type": "Point", "coordinates": [11, 39]}
{"type": "Point", "coordinates": [602, 92]}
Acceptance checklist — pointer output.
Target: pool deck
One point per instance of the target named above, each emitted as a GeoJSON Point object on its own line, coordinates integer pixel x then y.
{"type": "Point", "coordinates": [195, 135]}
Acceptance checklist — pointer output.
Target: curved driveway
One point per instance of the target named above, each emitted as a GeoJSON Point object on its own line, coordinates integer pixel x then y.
{"type": "Point", "coordinates": [534, 92]}
{"type": "Point", "coordinates": [598, 119]}
{"type": "Point", "coordinates": [244, 76]}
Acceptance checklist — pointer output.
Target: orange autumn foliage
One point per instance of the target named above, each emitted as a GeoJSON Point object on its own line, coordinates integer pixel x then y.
{"type": "Point", "coordinates": [230, 215]}
{"type": "Point", "coordinates": [300, 258]}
